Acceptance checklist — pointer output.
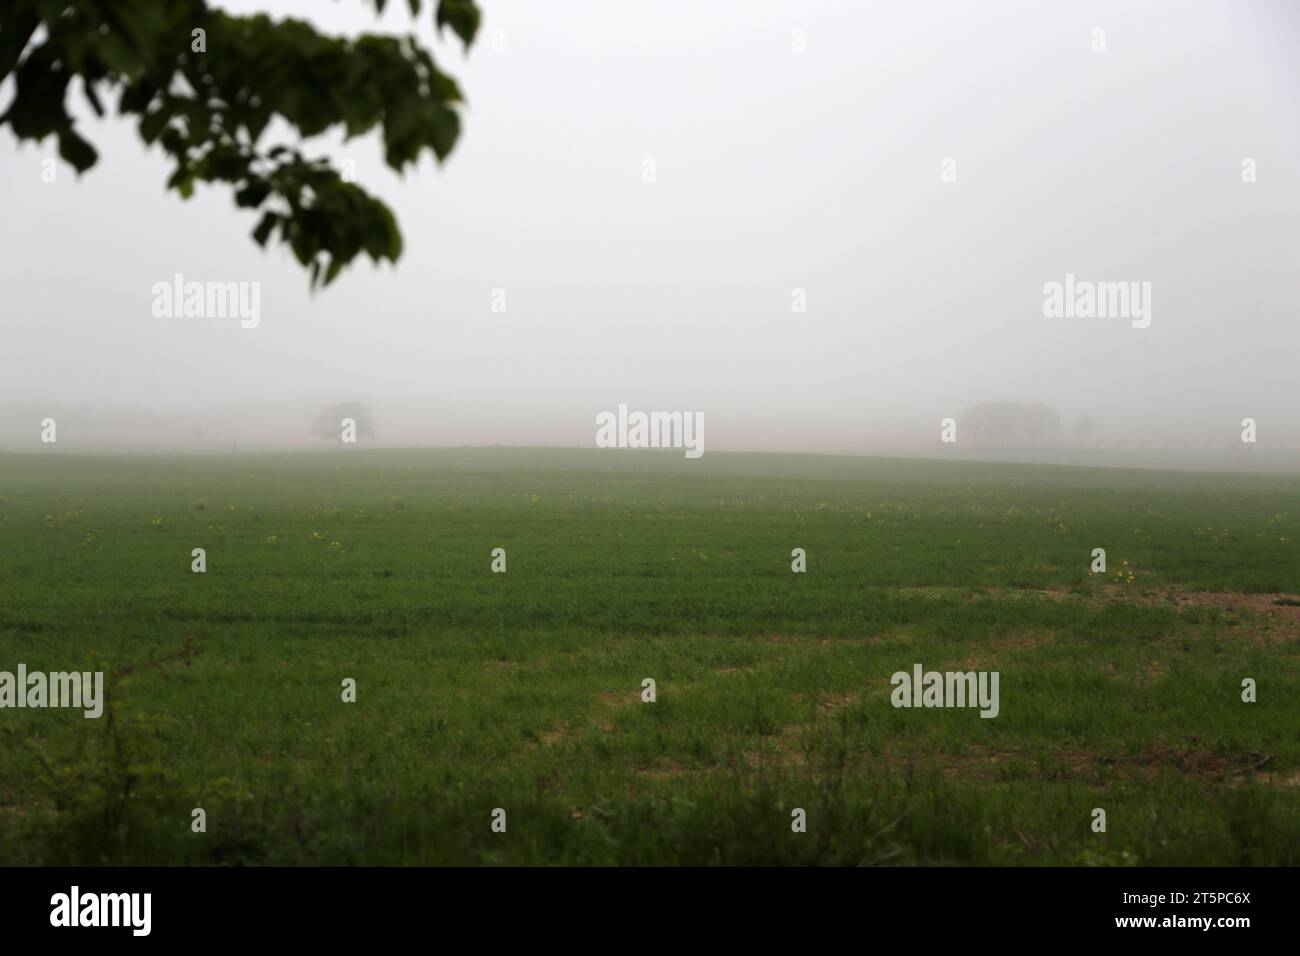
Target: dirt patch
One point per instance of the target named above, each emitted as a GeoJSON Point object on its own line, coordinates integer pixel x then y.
{"type": "Point", "coordinates": [1277, 607]}
{"type": "Point", "coordinates": [819, 641]}
{"type": "Point", "coordinates": [1255, 603]}
{"type": "Point", "coordinates": [784, 750]}
{"type": "Point", "coordinates": [1056, 593]}
{"type": "Point", "coordinates": [1264, 617]}
{"type": "Point", "coordinates": [618, 699]}
{"type": "Point", "coordinates": [747, 668]}
{"type": "Point", "coordinates": [1195, 762]}
{"type": "Point", "coordinates": [1291, 779]}
{"type": "Point", "coordinates": [988, 763]}
{"type": "Point", "coordinates": [551, 737]}
{"type": "Point", "coordinates": [665, 768]}
{"type": "Point", "coordinates": [1153, 669]}
{"type": "Point", "coordinates": [928, 591]}
{"type": "Point", "coordinates": [1148, 669]}
{"type": "Point", "coordinates": [1025, 641]}
{"type": "Point", "coordinates": [601, 721]}
{"type": "Point", "coordinates": [1285, 606]}
{"type": "Point", "coordinates": [831, 704]}
{"type": "Point", "coordinates": [983, 766]}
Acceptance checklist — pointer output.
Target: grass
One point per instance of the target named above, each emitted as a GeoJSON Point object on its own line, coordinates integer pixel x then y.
{"type": "Point", "coordinates": [522, 690]}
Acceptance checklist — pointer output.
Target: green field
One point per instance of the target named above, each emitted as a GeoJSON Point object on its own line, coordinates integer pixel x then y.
{"type": "Point", "coordinates": [522, 691]}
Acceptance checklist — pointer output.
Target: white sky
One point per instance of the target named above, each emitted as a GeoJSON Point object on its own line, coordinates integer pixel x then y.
{"type": "Point", "coordinates": [775, 170]}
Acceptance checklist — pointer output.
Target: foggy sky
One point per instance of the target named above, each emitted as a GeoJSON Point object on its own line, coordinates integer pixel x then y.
{"type": "Point", "coordinates": [775, 170]}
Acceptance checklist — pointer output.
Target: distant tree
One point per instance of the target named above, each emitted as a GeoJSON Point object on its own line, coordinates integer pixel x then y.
{"type": "Point", "coordinates": [1001, 423]}
{"type": "Point", "coordinates": [329, 423]}
{"type": "Point", "coordinates": [1083, 427]}
{"type": "Point", "coordinates": [992, 423]}
{"type": "Point", "coordinates": [206, 84]}
{"type": "Point", "coordinates": [1040, 422]}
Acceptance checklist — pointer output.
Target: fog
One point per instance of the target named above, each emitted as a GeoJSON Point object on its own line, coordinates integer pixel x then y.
{"type": "Point", "coordinates": [915, 174]}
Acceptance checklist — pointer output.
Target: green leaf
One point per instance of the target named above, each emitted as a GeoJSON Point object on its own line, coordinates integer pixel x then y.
{"type": "Point", "coordinates": [151, 124]}
{"type": "Point", "coordinates": [444, 131]}
{"type": "Point", "coordinates": [462, 16]}
{"type": "Point", "coordinates": [76, 150]}
{"type": "Point", "coordinates": [116, 54]}
{"type": "Point", "coordinates": [182, 181]}
{"type": "Point", "coordinates": [255, 123]}
{"type": "Point", "coordinates": [252, 195]}
{"type": "Point", "coordinates": [263, 230]}
{"type": "Point", "coordinates": [89, 88]}
{"type": "Point", "coordinates": [16, 28]}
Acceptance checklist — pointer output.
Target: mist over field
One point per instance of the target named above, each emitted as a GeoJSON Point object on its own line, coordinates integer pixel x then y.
{"type": "Point", "coordinates": [646, 193]}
